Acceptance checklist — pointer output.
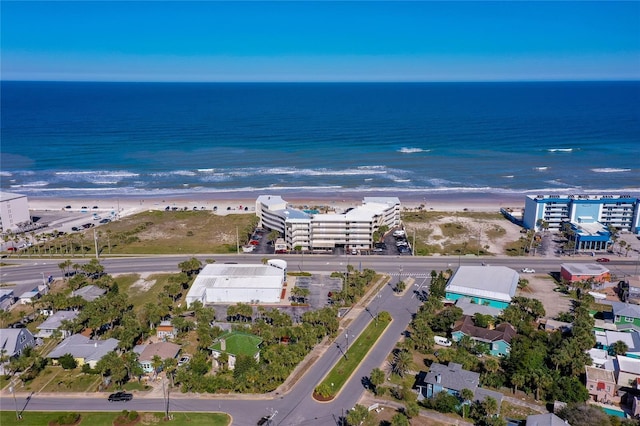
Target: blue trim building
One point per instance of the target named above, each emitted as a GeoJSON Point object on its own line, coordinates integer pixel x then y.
{"type": "Point", "coordinates": [619, 211]}
{"type": "Point", "coordinates": [492, 286]}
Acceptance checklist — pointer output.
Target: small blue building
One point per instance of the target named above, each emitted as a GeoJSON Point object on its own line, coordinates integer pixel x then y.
{"type": "Point", "coordinates": [497, 341]}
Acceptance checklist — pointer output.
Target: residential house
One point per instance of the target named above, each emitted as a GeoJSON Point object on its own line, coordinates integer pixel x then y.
{"type": "Point", "coordinates": [606, 339]}
{"type": "Point", "coordinates": [29, 296]}
{"type": "Point", "coordinates": [6, 298]}
{"type": "Point", "coordinates": [626, 316]}
{"type": "Point", "coordinates": [452, 378]}
{"type": "Point", "coordinates": [601, 384]}
{"type": "Point", "coordinates": [553, 325]}
{"type": "Point", "coordinates": [497, 341]}
{"type": "Point", "coordinates": [235, 344]}
{"type": "Point", "coordinates": [163, 350]}
{"type": "Point", "coordinates": [54, 322]}
{"type": "Point", "coordinates": [165, 330]}
{"type": "Point", "coordinates": [548, 419]}
{"type": "Point", "coordinates": [89, 292]}
{"type": "Point", "coordinates": [14, 340]}
{"type": "Point", "coordinates": [471, 308]}
{"type": "Point", "coordinates": [83, 349]}
{"type": "Point", "coordinates": [627, 371]}
{"type": "Point", "coordinates": [635, 406]}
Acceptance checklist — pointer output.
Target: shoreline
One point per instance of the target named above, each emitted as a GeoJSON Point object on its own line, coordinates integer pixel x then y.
{"type": "Point", "coordinates": [244, 201]}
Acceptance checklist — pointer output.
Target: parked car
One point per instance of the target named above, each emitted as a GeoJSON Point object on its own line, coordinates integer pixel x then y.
{"type": "Point", "coordinates": [442, 341]}
{"type": "Point", "coordinates": [602, 260]}
{"type": "Point", "coordinates": [105, 220]}
{"type": "Point", "coordinates": [528, 270]}
{"type": "Point", "coordinates": [184, 360]}
{"type": "Point", "coordinates": [120, 397]}
{"type": "Point", "coordinates": [75, 228]}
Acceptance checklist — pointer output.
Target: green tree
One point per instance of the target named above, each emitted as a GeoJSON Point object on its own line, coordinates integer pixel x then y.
{"type": "Point", "coordinates": [401, 362]}
{"type": "Point", "coordinates": [359, 415]}
{"type": "Point", "coordinates": [620, 347]}
{"type": "Point", "coordinates": [411, 409]}
{"type": "Point", "coordinates": [467, 396]}
{"type": "Point", "coordinates": [399, 419]}
{"type": "Point", "coordinates": [376, 378]}
{"type": "Point", "coordinates": [68, 362]}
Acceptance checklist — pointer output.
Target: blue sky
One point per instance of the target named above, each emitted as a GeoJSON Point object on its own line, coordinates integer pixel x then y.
{"type": "Point", "coordinates": [320, 41]}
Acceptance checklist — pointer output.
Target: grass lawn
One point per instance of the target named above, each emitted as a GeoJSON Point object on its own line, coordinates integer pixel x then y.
{"type": "Point", "coordinates": [8, 418]}
{"type": "Point", "coordinates": [340, 373]}
{"type": "Point", "coordinates": [517, 412]}
{"type": "Point", "coordinates": [57, 379]}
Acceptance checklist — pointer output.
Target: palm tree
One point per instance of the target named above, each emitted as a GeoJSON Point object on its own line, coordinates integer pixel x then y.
{"type": "Point", "coordinates": [620, 347]}
{"type": "Point", "coordinates": [401, 362]}
{"type": "Point", "coordinates": [467, 396]}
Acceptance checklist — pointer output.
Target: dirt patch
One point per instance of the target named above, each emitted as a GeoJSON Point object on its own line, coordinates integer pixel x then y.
{"type": "Point", "coordinates": [144, 283]}
{"type": "Point", "coordinates": [468, 232]}
{"type": "Point", "coordinates": [542, 287]}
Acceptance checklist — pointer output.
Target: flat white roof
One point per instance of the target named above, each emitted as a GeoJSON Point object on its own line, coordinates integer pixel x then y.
{"type": "Point", "coordinates": [271, 200]}
{"type": "Point", "coordinates": [6, 196]}
{"type": "Point", "coordinates": [491, 282]}
{"type": "Point", "coordinates": [584, 268]}
{"type": "Point", "coordinates": [237, 276]}
{"type": "Point", "coordinates": [628, 364]}
{"type": "Point", "coordinates": [381, 200]}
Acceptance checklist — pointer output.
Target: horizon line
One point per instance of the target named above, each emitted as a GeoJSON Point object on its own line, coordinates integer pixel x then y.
{"type": "Point", "coordinates": [629, 80]}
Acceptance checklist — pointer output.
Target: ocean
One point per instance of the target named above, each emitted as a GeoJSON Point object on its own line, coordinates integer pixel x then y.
{"type": "Point", "coordinates": [74, 139]}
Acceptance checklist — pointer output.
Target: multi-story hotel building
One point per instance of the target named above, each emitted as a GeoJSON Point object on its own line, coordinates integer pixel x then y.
{"type": "Point", "coordinates": [352, 229]}
{"type": "Point", "coordinates": [14, 211]}
{"type": "Point", "coordinates": [619, 211]}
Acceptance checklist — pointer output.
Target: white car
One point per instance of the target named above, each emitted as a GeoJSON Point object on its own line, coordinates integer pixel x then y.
{"type": "Point", "coordinates": [528, 271]}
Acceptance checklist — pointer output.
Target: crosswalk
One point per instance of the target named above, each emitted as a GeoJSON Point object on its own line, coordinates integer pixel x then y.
{"type": "Point", "coordinates": [407, 274]}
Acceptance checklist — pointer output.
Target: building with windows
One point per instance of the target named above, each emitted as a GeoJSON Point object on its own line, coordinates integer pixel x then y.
{"type": "Point", "coordinates": [497, 341]}
{"type": "Point", "coordinates": [353, 229]}
{"type": "Point", "coordinates": [492, 286]}
{"type": "Point", "coordinates": [619, 211]}
{"type": "Point", "coordinates": [14, 211]}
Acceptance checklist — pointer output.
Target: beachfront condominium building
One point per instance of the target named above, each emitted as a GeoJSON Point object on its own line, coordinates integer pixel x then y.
{"type": "Point", "coordinates": [620, 211]}
{"type": "Point", "coordinates": [14, 211]}
{"type": "Point", "coordinates": [311, 230]}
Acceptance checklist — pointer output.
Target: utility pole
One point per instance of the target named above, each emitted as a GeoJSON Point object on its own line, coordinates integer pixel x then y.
{"type": "Point", "coordinates": [12, 389]}
{"type": "Point", "coordinates": [95, 242]}
{"type": "Point", "coordinates": [237, 241]}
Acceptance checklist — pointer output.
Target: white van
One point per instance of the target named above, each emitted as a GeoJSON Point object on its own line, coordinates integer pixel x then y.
{"type": "Point", "coordinates": [442, 341]}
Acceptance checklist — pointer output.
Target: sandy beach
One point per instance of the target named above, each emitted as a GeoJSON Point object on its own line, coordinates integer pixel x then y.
{"type": "Point", "coordinates": [243, 202]}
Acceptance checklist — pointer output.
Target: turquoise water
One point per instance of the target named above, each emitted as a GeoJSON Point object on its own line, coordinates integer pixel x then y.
{"type": "Point", "coordinates": [613, 412]}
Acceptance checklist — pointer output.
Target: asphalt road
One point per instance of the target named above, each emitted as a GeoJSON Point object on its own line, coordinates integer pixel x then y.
{"type": "Point", "coordinates": [296, 407]}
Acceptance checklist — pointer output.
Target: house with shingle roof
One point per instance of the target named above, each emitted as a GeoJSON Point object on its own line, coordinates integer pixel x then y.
{"type": "Point", "coordinates": [548, 419]}
{"type": "Point", "coordinates": [626, 316]}
{"type": "Point", "coordinates": [452, 379]}
{"type": "Point", "coordinates": [54, 322]}
{"type": "Point", "coordinates": [14, 340]}
{"type": "Point", "coordinates": [83, 349]}
{"type": "Point", "coordinates": [164, 350]}
{"type": "Point", "coordinates": [89, 292]}
{"type": "Point", "coordinates": [497, 340]}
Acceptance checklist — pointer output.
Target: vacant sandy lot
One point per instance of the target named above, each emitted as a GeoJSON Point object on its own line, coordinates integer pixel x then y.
{"type": "Point", "coordinates": [541, 287]}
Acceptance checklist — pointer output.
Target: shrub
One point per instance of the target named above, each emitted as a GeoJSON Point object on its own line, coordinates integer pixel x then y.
{"type": "Point", "coordinates": [68, 418]}
{"type": "Point", "coordinates": [133, 414]}
{"type": "Point", "coordinates": [68, 362]}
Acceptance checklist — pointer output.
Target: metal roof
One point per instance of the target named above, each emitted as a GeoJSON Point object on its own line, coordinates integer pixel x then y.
{"type": "Point", "coordinates": [584, 268]}
{"type": "Point", "coordinates": [491, 282]}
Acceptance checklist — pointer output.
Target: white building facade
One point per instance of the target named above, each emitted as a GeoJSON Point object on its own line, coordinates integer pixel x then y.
{"type": "Point", "coordinates": [352, 229]}
{"type": "Point", "coordinates": [14, 211]}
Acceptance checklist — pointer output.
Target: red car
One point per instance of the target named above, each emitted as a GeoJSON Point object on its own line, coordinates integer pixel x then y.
{"type": "Point", "coordinates": [602, 260]}
{"type": "Point", "coordinates": [254, 242]}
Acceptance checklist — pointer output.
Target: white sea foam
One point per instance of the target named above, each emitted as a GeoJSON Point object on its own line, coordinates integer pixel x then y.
{"type": "Point", "coordinates": [206, 170]}
{"type": "Point", "coordinates": [401, 180]}
{"type": "Point", "coordinates": [5, 174]}
{"type": "Point", "coordinates": [560, 149]}
{"type": "Point", "coordinates": [541, 169]}
{"type": "Point", "coordinates": [406, 150]}
{"type": "Point", "coordinates": [366, 170]}
{"type": "Point", "coordinates": [35, 184]}
{"type": "Point", "coordinates": [508, 176]}
{"type": "Point", "coordinates": [101, 173]}
{"type": "Point", "coordinates": [610, 170]}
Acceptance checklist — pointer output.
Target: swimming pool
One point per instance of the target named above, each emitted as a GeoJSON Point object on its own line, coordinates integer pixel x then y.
{"type": "Point", "coordinates": [614, 412]}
